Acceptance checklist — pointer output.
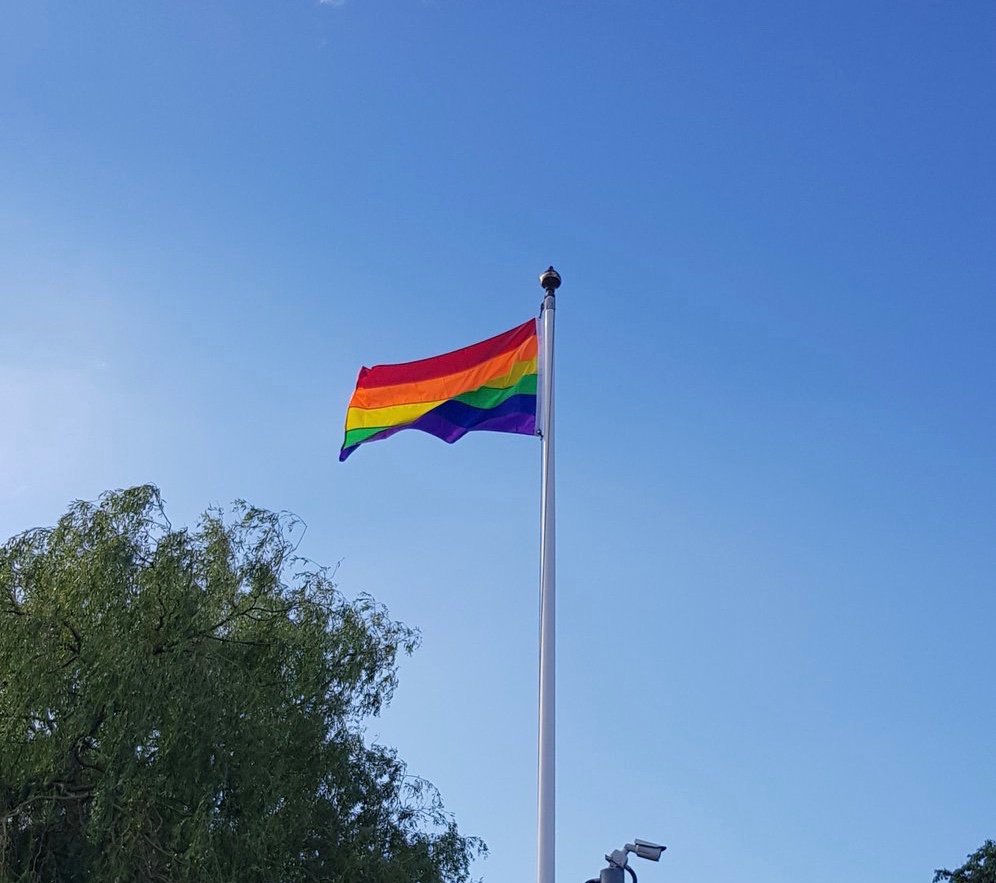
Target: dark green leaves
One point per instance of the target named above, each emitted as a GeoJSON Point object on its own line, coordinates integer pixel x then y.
{"type": "Point", "coordinates": [980, 867]}
{"type": "Point", "coordinates": [187, 705]}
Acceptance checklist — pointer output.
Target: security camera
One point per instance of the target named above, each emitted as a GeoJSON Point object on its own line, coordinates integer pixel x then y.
{"type": "Point", "coordinates": [642, 849]}
{"type": "Point", "coordinates": [646, 849]}
{"type": "Point", "coordinates": [619, 861]}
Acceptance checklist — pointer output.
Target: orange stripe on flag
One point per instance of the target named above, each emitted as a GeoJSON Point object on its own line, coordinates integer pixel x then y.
{"type": "Point", "coordinates": [499, 368]}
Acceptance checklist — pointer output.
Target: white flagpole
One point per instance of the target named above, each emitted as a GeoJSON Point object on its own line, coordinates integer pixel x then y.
{"type": "Point", "coordinates": [546, 778]}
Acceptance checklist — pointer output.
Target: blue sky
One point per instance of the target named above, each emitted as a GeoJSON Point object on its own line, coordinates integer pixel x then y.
{"type": "Point", "coordinates": [776, 380]}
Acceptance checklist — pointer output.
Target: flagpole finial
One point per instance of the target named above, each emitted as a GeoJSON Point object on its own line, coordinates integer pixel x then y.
{"type": "Point", "coordinates": [550, 280]}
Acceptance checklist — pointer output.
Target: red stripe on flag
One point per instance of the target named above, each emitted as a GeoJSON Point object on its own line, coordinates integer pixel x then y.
{"type": "Point", "coordinates": [448, 363]}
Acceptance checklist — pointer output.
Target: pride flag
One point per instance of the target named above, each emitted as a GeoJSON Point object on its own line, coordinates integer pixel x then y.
{"type": "Point", "coordinates": [488, 385]}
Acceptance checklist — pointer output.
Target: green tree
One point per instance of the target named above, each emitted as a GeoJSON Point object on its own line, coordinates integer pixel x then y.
{"type": "Point", "coordinates": [188, 705]}
{"type": "Point", "coordinates": [980, 867]}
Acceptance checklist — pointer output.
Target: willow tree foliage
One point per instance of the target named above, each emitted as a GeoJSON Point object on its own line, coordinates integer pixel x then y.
{"type": "Point", "coordinates": [188, 706]}
{"type": "Point", "coordinates": [980, 867]}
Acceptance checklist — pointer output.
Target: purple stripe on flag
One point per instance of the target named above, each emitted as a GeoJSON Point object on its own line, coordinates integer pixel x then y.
{"type": "Point", "coordinates": [452, 420]}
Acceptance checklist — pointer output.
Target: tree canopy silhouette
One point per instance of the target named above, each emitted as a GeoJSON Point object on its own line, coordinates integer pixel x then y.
{"type": "Point", "coordinates": [980, 867]}
{"type": "Point", "coordinates": [188, 705]}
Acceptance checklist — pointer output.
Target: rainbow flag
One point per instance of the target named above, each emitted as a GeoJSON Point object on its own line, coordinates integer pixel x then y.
{"type": "Point", "coordinates": [488, 385]}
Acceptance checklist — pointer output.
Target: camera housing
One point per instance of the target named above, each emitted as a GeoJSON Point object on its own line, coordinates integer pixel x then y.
{"type": "Point", "coordinates": [619, 858]}
{"type": "Point", "coordinates": [646, 849]}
